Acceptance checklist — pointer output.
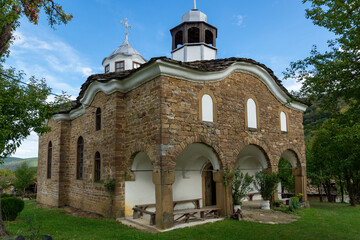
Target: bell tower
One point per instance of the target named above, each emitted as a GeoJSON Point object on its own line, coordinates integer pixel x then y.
{"type": "Point", "coordinates": [194, 39]}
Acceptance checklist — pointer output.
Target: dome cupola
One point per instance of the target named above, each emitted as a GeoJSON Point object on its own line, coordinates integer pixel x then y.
{"type": "Point", "coordinates": [125, 57]}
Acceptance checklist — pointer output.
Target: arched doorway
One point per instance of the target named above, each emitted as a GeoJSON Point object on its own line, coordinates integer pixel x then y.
{"type": "Point", "coordinates": [287, 166]}
{"type": "Point", "coordinates": [252, 159]}
{"type": "Point", "coordinates": [194, 175]}
{"type": "Point", "coordinates": [140, 189]}
{"type": "Point", "coordinates": [208, 186]}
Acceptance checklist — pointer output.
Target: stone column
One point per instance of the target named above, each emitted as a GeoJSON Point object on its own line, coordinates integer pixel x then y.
{"type": "Point", "coordinates": [163, 181]}
{"type": "Point", "coordinates": [300, 181]}
{"type": "Point", "coordinates": [223, 194]}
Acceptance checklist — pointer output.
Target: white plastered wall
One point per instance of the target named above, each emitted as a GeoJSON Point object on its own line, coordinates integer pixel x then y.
{"type": "Point", "coordinates": [142, 190]}
{"type": "Point", "coordinates": [128, 60]}
{"type": "Point", "coordinates": [188, 175]}
{"type": "Point", "coordinates": [251, 160]}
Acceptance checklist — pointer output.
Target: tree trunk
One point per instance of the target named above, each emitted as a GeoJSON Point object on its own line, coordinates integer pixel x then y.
{"type": "Point", "coordinates": [2, 226]}
{"type": "Point", "coordinates": [320, 194]}
{"type": "Point", "coordinates": [5, 36]}
{"type": "Point", "coordinates": [327, 189]}
{"type": "Point", "coordinates": [341, 189]}
{"type": "Point", "coordinates": [351, 192]}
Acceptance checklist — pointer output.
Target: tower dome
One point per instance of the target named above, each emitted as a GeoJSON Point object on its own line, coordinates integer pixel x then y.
{"type": "Point", "coordinates": [194, 39]}
{"type": "Point", "coordinates": [125, 57]}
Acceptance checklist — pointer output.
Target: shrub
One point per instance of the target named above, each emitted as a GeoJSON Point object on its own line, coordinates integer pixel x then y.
{"type": "Point", "coordinates": [5, 195]}
{"type": "Point", "coordinates": [240, 186]}
{"type": "Point", "coordinates": [294, 203]}
{"type": "Point", "coordinates": [265, 183]}
{"type": "Point", "coordinates": [11, 207]}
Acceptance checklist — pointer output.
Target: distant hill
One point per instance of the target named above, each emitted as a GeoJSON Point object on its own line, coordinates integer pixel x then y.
{"type": "Point", "coordinates": [13, 162]}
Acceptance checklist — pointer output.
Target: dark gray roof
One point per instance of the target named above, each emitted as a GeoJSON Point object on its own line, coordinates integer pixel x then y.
{"type": "Point", "coordinates": [205, 65]}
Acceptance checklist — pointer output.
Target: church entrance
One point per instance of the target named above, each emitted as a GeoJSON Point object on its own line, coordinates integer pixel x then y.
{"type": "Point", "coordinates": [209, 186]}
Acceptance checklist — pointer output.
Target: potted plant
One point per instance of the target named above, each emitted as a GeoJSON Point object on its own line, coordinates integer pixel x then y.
{"type": "Point", "coordinates": [240, 187]}
{"type": "Point", "coordinates": [266, 183]}
{"type": "Point", "coordinates": [299, 196]}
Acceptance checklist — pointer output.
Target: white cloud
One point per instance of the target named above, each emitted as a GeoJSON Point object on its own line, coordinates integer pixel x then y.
{"type": "Point", "coordinates": [239, 20]}
{"type": "Point", "coordinates": [292, 85]}
{"type": "Point", "coordinates": [29, 148]}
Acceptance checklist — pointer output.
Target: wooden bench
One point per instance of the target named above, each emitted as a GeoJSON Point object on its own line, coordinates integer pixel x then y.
{"type": "Point", "coordinates": [189, 214]}
{"type": "Point", "coordinates": [138, 212]}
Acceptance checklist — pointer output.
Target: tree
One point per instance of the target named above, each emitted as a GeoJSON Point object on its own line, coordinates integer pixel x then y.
{"type": "Point", "coordinates": [12, 10]}
{"type": "Point", "coordinates": [286, 176]}
{"type": "Point", "coordinates": [6, 178]}
{"type": "Point", "coordinates": [333, 76]}
{"type": "Point", "coordinates": [23, 103]}
{"type": "Point", "coordinates": [23, 106]}
{"type": "Point", "coordinates": [24, 177]}
{"type": "Point", "coordinates": [332, 79]}
{"type": "Point", "coordinates": [336, 150]}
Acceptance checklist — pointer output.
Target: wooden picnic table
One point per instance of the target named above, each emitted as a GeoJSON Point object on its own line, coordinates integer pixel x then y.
{"type": "Point", "coordinates": [139, 210]}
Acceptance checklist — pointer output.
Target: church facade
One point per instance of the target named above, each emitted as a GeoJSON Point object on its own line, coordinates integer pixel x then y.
{"type": "Point", "coordinates": [169, 129]}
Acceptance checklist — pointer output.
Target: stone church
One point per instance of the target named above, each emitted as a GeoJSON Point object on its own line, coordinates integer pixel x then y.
{"type": "Point", "coordinates": [167, 129]}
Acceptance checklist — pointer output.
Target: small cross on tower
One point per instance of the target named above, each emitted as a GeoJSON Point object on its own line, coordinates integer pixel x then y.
{"type": "Point", "coordinates": [194, 4]}
{"type": "Point", "coordinates": [127, 27]}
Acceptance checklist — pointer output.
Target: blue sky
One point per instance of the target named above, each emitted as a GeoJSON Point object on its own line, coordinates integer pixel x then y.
{"type": "Point", "coordinates": [273, 32]}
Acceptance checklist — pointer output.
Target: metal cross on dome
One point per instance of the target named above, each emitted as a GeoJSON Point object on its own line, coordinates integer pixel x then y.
{"type": "Point", "coordinates": [127, 27]}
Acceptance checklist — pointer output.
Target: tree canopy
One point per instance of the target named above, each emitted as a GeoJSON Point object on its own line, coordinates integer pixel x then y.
{"type": "Point", "coordinates": [331, 79]}
{"type": "Point", "coordinates": [332, 76]}
{"type": "Point", "coordinates": [24, 103]}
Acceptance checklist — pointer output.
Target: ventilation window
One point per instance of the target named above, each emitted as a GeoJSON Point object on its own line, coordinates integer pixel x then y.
{"type": "Point", "coordinates": [209, 38]}
{"type": "Point", "coordinates": [49, 160]}
{"type": "Point", "coordinates": [119, 66]}
{"type": "Point", "coordinates": [207, 107]}
{"type": "Point", "coordinates": [98, 119]}
{"type": "Point", "coordinates": [80, 158]}
{"type": "Point", "coordinates": [97, 172]}
{"type": "Point", "coordinates": [107, 68]}
{"type": "Point", "coordinates": [179, 39]}
{"type": "Point", "coordinates": [194, 35]}
{"type": "Point", "coordinates": [251, 113]}
{"type": "Point", "coordinates": [283, 122]}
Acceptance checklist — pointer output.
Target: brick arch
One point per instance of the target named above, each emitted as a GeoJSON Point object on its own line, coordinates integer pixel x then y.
{"type": "Point", "coordinates": [259, 144]}
{"type": "Point", "coordinates": [199, 139]}
{"type": "Point", "coordinates": [299, 161]}
{"type": "Point", "coordinates": [137, 148]}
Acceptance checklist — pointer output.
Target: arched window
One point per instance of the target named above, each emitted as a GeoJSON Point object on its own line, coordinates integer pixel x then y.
{"type": "Point", "coordinates": [207, 107]}
{"type": "Point", "coordinates": [194, 35]}
{"type": "Point", "coordinates": [209, 39]}
{"type": "Point", "coordinates": [251, 113]}
{"type": "Point", "coordinates": [98, 119]}
{"type": "Point", "coordinates": [49, 162]}
{"type": "Point", "coordinates": [97, 167]}
{"type": "Point", "coordinates": [80, 158]}
{"type": "Point", "coordinates": [178, 38]}
{"type": "Point", "coordinates": [283, 122]}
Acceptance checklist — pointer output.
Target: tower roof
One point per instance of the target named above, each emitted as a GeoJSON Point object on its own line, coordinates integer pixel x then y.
{"type": "Point", "coordinates": [194, 15]}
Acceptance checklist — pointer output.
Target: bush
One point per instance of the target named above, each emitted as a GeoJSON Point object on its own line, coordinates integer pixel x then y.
{"type": "Point", "coordinates": [11, 207]}
{"type": "Point", "coordinates": [294, 203]}
{"type": "Point", "coordinates": [240, 185]}
{"type": "Point", "coordinates": [265, 183]}
{"type": "Point", "coordinates": [5, 195]}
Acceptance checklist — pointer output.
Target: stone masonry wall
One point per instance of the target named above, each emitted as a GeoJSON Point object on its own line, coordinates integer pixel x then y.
{"type": "Point", "coordinates": [228, 134]}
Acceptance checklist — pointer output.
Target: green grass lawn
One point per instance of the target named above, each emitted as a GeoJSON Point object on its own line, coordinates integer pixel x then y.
{"type": "Point", "coordinates": [321, 221]}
